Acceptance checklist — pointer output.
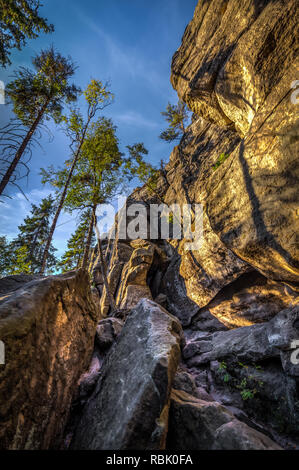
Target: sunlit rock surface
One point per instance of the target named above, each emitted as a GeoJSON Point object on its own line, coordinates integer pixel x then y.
{"type": "Point", "coordinates": [236, 297]}
{"type": "Point", "coordinates": [47, 326]}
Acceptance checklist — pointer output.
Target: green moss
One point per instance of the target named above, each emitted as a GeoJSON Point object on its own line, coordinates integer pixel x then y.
{"type": "Point", "coordinates": [222, 157]}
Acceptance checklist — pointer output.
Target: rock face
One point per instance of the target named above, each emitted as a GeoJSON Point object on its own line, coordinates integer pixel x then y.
{"type": "Point", "coordinates": [129, 267]}
{"type": "Point", "coordinates": [47, 326]}
{"type": "Point", "coordinates": [196, 424]}
{"type": "Point", "coordinates": [129, 408]}
{"type": "Point", "coordinates": [235, 68]}
{"type": "Point", "coordinates": [236, 298]}
{"type": "Point", "coordinates": [252, 343]}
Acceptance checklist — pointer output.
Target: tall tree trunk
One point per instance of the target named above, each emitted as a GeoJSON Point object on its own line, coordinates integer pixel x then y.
{"type": "Point", "coordinates": [104, 268]}
{"type": "Point", "coordinates": [62, 199]}
{"type": "Point", "coordinates": [57, 214]}
{"type": "Point", "coordinates": [88, 240]}
{"type": "Point", "coordinates": [21, 150]}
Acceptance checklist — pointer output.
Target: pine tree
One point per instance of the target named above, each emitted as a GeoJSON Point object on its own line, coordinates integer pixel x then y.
{"type": "Point", "coordinates": [5, 255]}
{"type": "Point", "coordinates": [97, 178]}
{"type": "Point", "coordinates": [27, 248]}
{"type": "Point", "coordinates": [36, 95]}
{"type": "Point", "coordinates": [177, 116]}
{"type": "Point", "coordinates": [19, 20]}
{"type": "Point", "coordinates": [72, 258]}
{"type": "Point", "coordinates": [97, 97]}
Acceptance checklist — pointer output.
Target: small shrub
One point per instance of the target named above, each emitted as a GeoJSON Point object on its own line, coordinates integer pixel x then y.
{"type": "Point", "coordinates": [247, 394]}
{"type": "Point", "coordinates": [222, 157]}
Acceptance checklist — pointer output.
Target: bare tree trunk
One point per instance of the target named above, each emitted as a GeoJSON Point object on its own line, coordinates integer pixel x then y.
{"type": "Point", "coordinates": [57, 214]}
{"type": "Point", "coordinates": [88, 240]}
{"type": "Point", "coordinates": [21, 150]}
{"type": "Point", "coordinates": [62, 199]}
{"type": "Point", "coordinates": [104, 268]}
{"type": "Point", "coordinates": [92, 258]}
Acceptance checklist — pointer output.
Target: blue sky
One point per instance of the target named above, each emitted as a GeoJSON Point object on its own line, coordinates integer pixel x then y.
{"type": "Point", "coordinates": [128, 42]}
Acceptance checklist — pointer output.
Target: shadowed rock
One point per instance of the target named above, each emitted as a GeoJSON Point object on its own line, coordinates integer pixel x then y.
{"type": "Point", "coordinates": [129, 407]}
{"type": "Point", "coordinates": [197, 424]}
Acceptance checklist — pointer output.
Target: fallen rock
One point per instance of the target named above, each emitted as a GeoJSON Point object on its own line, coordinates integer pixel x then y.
{"type": "Point", "coordinates": [129, 407]}
{"type": "Point", "coordinates": [236, 435]}
{"type": "Point", "coordinates": [263, 391]}
{"type": "Point", "coordinates": [196, 424]}
{"type": "Point", "coordinates": [250, 343]}
{"type": "Point", "coordinates": [48, 328]}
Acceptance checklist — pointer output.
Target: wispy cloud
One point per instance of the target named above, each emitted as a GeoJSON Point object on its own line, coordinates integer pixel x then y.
{"type": "Point", "coordinates": [13, 212]}
{"type": "Point", "coordinates": [133, 118]}
{"type": "Point", "coordinates": [124, 58]}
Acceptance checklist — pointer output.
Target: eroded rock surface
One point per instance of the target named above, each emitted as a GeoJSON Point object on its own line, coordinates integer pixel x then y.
{"type": "Point", "coordinates": [236, 297]}
{"type": "Point", "coordinates": [137, 375]}
{"type": "Point", "coordinates": [238, 74]}
{"type": "Point", "coordinates": [196, 424]}
{"type": "Point", "coordinates": [48, 328]}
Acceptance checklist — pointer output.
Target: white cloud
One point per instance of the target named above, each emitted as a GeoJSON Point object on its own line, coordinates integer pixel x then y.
{"type": "Point", "coordinates": [13, 211]}
{"type": "Point", "coordinates": [133, 118]}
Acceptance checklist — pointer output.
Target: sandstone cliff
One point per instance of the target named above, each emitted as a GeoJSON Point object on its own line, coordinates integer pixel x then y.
{"type": "Point", "coordinates": [237, 296]}
{"type": "Point", "coordinates": [198, 356]}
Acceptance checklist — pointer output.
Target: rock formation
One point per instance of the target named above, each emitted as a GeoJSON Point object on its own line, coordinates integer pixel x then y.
{"type": "Point", "coordinates": [47, 326]}
{"type": "Point", "coordinates": [231, 306]}
{"type": "Point", "coordinates": [139, 371]}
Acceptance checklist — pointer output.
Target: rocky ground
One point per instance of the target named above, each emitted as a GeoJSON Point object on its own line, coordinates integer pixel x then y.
{"type": "Point", "coordinates": [198, 355]}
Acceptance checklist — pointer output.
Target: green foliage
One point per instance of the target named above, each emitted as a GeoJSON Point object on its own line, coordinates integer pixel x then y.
{"type": "Point", "coordinates": [176, 116]}
{"type": "Point", "coordinates": [248, 386]}
{"type": "Point", "coordinates": [5, 253]}
{"type": "Point", "coordinates": [97, 94]}
{"type": "Point", "coordinates": [247, 394]}
{"type": "Point", "coordinates": [43, 91]}
{"type": "Point", "coordinates": [222, 365]}
{"type": "Point", "coordinates": [222, 157]}
{"type": "Point", "coordinates": [136, 166]}
{"type": "Point", "coordinates": [27, 248]}
{"type": "Point", "coordinates": [97, 176]}
{"type": "Point", "coordinates": [223, 370]}
{"type": "Point", "coordinates": [73, 256]}
{"type": "Point", "coordinates": [78, 129]}
{"type": "Point", "coordinates": [97, 97]}
{"type": "Point", "coordinates": [19, 20]}
{"type": "Point", "coordinates": [21, 263]}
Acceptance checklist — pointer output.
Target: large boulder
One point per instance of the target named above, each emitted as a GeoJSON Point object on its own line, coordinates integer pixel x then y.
{"type": "Point", "coordinates": [196, 424]}
{"type": "Point", "coordinates": [129, 407]}
{"type": "Point", "coordinates": [250, 343]}
{"type": "Point", "coordinates": [48, 328]}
